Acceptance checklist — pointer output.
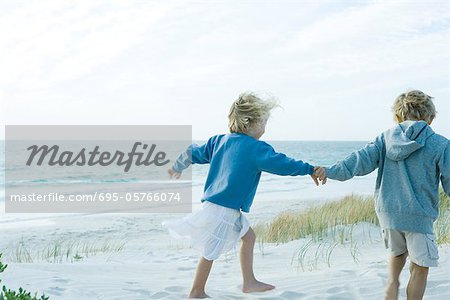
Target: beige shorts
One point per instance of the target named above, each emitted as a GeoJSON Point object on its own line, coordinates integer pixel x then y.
{"type": "Point", "coordinates": [421, 247]}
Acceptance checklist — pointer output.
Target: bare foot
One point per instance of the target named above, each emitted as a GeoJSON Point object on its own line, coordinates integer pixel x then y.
{"type": "Point", "coordinates": [257, 286]}
{"type": "Point", "coordinates": [198, 294]}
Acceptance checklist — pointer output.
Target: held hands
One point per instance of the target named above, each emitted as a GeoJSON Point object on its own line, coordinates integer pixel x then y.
{"type": "Point", "coordinates": [315, 179]}
{"type": "Point", "coordinates": [173, 174]}
{"type": "Point", "coordinates": [319, 174]}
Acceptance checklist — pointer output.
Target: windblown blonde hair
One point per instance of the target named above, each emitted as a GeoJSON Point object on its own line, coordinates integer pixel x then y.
{"type": "Point", "coordinates": [248, 111]}
{"type": "Point", "coordinates": [414, 105]}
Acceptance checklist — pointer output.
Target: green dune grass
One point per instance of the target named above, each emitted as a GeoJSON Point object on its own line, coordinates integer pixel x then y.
{"type": "Point", "coordinates": [320, 221]}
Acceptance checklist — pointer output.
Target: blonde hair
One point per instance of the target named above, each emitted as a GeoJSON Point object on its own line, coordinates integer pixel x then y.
{"type": "Point", "coordinates": [248, 111]}
{"type": "Point", "coordinates": [414, 105]}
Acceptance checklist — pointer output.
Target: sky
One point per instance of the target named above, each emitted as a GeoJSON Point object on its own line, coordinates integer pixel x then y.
{"type": "Point", "coordinates": [334, 66]}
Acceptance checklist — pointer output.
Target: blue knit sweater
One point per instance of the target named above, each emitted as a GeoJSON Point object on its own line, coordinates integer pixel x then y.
{"type": "Point", "coordinates": [236, 162]}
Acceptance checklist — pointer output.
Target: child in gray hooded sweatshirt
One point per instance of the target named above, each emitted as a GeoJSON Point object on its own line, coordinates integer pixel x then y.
{"type": "Point", "coordinates": [411, 160]}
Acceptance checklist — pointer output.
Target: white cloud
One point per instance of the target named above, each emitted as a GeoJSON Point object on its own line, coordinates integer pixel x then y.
{"type": "Point", "coordinates": [381, 36]}
{"type": "Point", "coordinates": [44, 43]}
{"type": "Point", "coordinates": [166, 62]}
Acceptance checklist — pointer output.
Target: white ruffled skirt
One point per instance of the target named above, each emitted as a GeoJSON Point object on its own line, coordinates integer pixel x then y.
{"type": "Point", "coordinates": [214, 229]}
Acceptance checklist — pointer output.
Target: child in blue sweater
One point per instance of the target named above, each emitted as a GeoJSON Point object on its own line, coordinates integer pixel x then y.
{"type": "Point", "coordinates": [411, 160]}
{"type": "Point", "coordinates": [236, 161]}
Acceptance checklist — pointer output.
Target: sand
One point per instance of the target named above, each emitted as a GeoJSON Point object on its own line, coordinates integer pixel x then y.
{"type": "Point", "coordinates": [154, 266]}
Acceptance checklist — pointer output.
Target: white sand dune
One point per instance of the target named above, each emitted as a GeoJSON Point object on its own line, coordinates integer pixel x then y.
{"type": "Point", "coordinates": [162, 268]}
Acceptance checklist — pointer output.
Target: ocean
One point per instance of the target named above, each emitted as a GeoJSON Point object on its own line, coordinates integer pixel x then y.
{"type": "Point", "coordinates": [286, 192]}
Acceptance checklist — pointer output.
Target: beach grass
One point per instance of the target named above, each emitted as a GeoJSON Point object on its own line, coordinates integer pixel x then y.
{"type": "Point", "coordinates": [327, 226]}
{"type": "Point", "coordinates": [316, 222]}
{"type": "Point", "coordinates": [60, 251]}
{"type": "Point", "coordinates": [442, 225]}
{"type": "Point", "coordinates": [336, 219]}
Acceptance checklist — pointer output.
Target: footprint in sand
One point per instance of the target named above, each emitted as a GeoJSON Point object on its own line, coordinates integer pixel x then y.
{"type": "Point", "coordinates": [57, 291]}
{"type": "Point", "coordinates": [159, 295]}
{"type": "Point", "coordinates": [335, 290]}
{"type": "Point", "coordinates": [174, 289]}
{"type": "Point", "coordinates": [378, 265]}
{"type": "Point", "coordinates": [60, 280]}
{"type": "Point", "coordinates": [343, 296]}
{"type": "Point", "coordinates": [185, 268]}
{"type": "Point", "coordinates": [291, 295]}
{"type": "Point", "coordinates": [141, 292]}
{"type": "Point", "coordinates": [340, 293]}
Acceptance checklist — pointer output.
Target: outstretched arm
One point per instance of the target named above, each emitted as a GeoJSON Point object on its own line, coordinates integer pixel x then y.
{"type": "Point", "coordinates": [358, 163]}
{"type": "Point", "coordinates": [194, 154]}
{"type": "Point", "coordinates": [268, 160]}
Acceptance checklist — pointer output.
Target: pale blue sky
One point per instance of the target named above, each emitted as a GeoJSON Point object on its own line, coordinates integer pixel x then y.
{"type": "Point", "coordinates": [335, 66]}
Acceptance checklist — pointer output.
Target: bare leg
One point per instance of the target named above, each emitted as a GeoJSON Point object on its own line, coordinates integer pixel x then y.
{"type": "Point", "coordinates": [250, 283]}
{"type": "Point", "coordinates": [201, 275]}
{"type": "Point", "coordinates": [396, 264]}
{"type": "Point", "coordinates": [417, 282]}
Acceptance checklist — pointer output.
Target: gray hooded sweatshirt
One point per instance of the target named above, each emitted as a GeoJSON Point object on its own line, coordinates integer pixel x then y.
{"type": "Point", "coordinates": [411, 160]}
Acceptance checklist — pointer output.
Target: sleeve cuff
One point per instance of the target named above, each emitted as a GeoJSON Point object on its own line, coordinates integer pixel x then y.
{"type": "Point", "coordinates": [176, 169]}
{"type": "Point", "coordinates": [329, 173]}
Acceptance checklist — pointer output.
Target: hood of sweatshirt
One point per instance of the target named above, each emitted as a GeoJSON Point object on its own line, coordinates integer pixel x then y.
{"type": "Point", "coordinates": [406, 138]}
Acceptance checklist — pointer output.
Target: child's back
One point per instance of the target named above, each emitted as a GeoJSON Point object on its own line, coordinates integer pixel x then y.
{"type": "Point", "coordinates": [411, 159]}
{"type": "Point", "coordinates": [416, 158]}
